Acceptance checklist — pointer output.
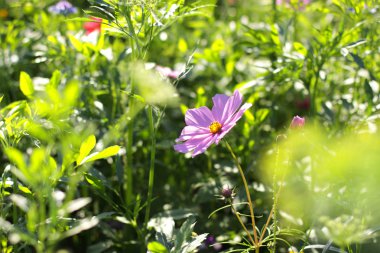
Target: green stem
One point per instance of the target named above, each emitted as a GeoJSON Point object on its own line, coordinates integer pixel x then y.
{"type": "Point", "coordinates": [15, 190]}
{"type": "Point", "coordinates": [274, 9]}
{"type": "Point", "coordinates": [247, 193]}
{"type": "Point", "coordinates": [136, 52]}
{"type": "Point", "coordinates": [41, 245]}
{"type": "Point", "coordinates": [14, 208]}
{"type": "Point", "coordinates": [152, 133]}
{"type": "Point", "coordinates": [313, 93]}
{"type": "Point", "coordinates": [140, 236]}
{"type": "Point", "coordinates": [273, 212]}
{"type": "Point", "coordinates": [135, 40]}
{"type": "Point", "coordinates": [128, 180]}
{"type": "Point", "coordinates": [273, 55]}
{"type": "Point", "coordinates": [275, 200]}
{"type": "Point", "coordinates": [241, 222]}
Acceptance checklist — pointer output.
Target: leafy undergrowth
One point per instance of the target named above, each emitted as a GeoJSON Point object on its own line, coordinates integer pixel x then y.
{"type": "Point", "coordinates": [189, 126]}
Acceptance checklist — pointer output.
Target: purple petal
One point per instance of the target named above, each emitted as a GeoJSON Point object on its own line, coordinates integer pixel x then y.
{"type": "Point", "coordinates": [191, 144]}
{"type": "Point", "coordinates": [232, 121]}
{"type": "Point", "coordinates": [231, 106]}
{"type": "Point", "coordinates": [238, 114]}
{"type": "Point", "coordinates": [225, 130]}
{"type": "Point", "coordinates": [219, 101]}
{"type": "Point", "coordinates": [201, 116]}
{"type": "Point", "coordinates": [186, 146]}
{"type": "Point", "coordinates": [191, 131]}
{"type": "Point", "coordinates": [202, 147]}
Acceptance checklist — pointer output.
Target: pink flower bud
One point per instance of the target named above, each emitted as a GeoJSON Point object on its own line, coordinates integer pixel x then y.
{"type": "Point", "coordinates": [297, 122]}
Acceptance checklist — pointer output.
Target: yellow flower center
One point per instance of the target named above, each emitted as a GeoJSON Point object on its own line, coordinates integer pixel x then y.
{"type": "Point", "coordinates": [215, 127]}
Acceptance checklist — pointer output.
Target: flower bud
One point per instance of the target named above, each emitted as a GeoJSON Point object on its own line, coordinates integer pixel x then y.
{"type": "Point", "coordinates": [227, 192]}
{"type": "Point", "coordinates": [297, 122]}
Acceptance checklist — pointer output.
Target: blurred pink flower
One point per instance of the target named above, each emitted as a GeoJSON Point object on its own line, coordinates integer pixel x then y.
{"type": "Point", "coordinates": [300, 3]}
{"type": "Point", "coordinates": [205, 126]}
{"type": "Point", "coordinates": [168, 72]}
{"type": "Point", "coordinates": [92, 26]}
{"type": "Point", "coordinates": [297, 122]}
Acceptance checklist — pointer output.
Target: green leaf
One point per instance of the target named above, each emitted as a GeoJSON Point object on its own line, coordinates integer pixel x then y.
{"type": "Point", "coordinates": [250, 117]}
{"type": "Point", "coordinates": [100, 247]}
{"type": "Point", "coordinates": [105, 14]}
{"type": "Point", "coordinates": [183, 108]}
{"type": "Point", "coordinates": [358, 60]}
{"type": "Point", "coordinates": [261, 115]}
{"type": "Point", "coordinates": [275, 36]}
{"type": "Point", "coordinates": [184, 235]}
{"type": "Point", "coordinates": [368, 90]}
{"type": "Point", "coordinates": [86, 148]}
{"type": "Point", "coordinates": [76, 204]}
{"type": "Point", "coordinates": [78, 45]}
{"type": "Point", "coordinates": [110, 151]}
{"type": "Point", "coordinates": [182, 45]}
{"type": "Point", "coordinates": [71, 93]}
{"type": "Point", "coordinates": [156, 247]}
{"type": "Point", "coordinates": [300, 48]}
{"type": "Point", "coordinates": [163, 239]}
{"type": "Point", "coordinates": [230, 66]}
{"type": "Point", "coordinates": [83, 225]}
{"type": "Point", "coordinates": [55, 78]}
{"type": "Point", "coordinates": [24, 189]}
{"type": "Point", "coordinates": [195, 243]}
{"type": "Point", "coordinates": [16, 157]}
{"type": "Point", "coordinates": [355, 44]}
{"type": "Point", "coordinates": [95, 182]}
{"type": "Point", "coordinates": [26, 85]}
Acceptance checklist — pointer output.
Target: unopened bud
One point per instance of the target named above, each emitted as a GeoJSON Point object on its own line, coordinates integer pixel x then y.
{"type": "Point", "coordinates": [297, 122]}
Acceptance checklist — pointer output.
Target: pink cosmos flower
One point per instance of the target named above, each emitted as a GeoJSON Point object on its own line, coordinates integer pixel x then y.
{"type": "Point", "coordinates": [205, 126]}
{"type": "Point", "coordinates": [297, 122]}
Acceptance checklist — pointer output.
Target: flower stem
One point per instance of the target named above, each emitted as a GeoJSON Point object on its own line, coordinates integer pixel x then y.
{"type": "Point", "coordinates": [136, 53]}
{"type": "Point", "coordinates": [247, 193]}
{"type": "Point", "coordinates": [276, 192]}
{"type": "Point", "coordinates": [152, 133]}
{"type": "Point", "coordinates": [241, 222]}
{"type": "Point", "coordinates": [273, 212]}
{"type": "Point", "coordinates": [128, 180]}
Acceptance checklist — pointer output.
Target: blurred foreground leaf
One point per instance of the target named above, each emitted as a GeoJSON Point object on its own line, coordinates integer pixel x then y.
{"type": "Point", "coordinates": [26, 84]}
{"type": "Point", "coordinates": [152, 87]}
